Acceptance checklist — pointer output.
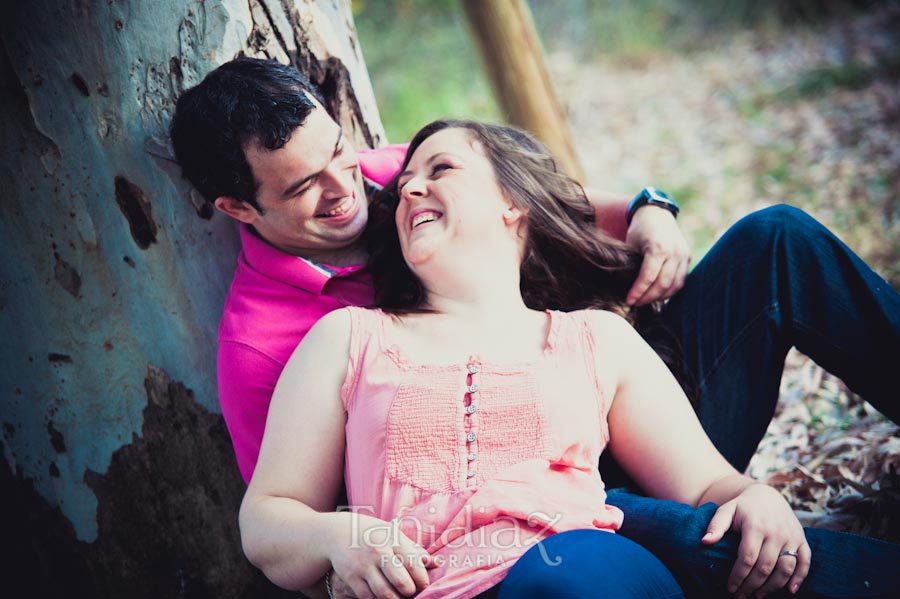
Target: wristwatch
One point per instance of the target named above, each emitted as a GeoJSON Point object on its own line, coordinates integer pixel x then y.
{"type": "Point", "coordinates": [653, 197]}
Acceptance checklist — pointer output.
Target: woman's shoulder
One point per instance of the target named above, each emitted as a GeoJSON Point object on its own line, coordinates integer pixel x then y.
{"type": "Point", "coordinates": [342, 318]}
{"type": "Point", "coordinates": [606, 326]}
{"type": "Point", "coordinates": [601, 318]}
{"type": "Point", "coordinates": [348, 323]}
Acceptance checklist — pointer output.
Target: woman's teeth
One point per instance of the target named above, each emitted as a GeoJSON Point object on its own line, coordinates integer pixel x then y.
{"type": "Point", "coordinates": [425, 217]}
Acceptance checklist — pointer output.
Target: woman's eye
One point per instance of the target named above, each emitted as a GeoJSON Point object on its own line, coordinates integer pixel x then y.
{"type": "Point", "coordinates": [439, 167]}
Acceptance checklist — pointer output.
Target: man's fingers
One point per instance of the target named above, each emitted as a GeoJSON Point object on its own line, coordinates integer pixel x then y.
{"type": "Point", "coordinates": [646, 277]}
{"type": "Point", "coordinates": [660, 289]}
{"type": "Point", "coordinates": [684, 266]}
{"type": "Point", "coordinates": [360, 587]}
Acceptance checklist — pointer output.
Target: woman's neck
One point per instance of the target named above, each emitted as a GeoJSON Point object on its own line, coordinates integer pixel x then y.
{"type": "Point", "coordinates": [485, 291]}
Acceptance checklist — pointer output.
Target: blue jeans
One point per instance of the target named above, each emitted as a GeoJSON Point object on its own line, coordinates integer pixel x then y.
{"type": "Point", "coordinates": [779, 279]}
{"type": "Point", "coordinates": [843, 565]}
{"type": "Point", "coordinates": [776, 279]}
{"type": "Point", "coordinates": [583, 564]}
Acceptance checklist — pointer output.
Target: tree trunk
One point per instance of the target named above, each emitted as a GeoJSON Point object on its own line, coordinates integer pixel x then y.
{"type": "Point", "coordinates": [514, 62]}
{"type": "Point", "coordinates": [118, 477]}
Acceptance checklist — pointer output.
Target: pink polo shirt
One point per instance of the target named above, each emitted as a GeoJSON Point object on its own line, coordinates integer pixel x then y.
{"type": "Point", "coordinates": [275, 298]}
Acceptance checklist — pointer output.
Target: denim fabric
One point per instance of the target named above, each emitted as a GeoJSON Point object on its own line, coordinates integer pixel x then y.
{"type": "Point", "coordinates": [582, 564]}
{"type": "Point", "coordinates": [843, 565]}
{"type": "Point", "coordinates": [776, 279]}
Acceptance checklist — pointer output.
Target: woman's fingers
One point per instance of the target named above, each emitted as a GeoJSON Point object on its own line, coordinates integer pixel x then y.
{"type": "Point", "coordinates": [748, 554]}
{"type": "Point", "coordinates": [416, 561]}
{"type": "Point", "coordinates": [767, 572]}
{"type": "Point", "coordinates": [804, 559]}
{"type": "Point", "coordinates": [405, 570]}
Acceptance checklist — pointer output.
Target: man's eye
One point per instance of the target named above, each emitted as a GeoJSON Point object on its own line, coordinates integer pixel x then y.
{"type": "Point", "coordinates": [303, 189]}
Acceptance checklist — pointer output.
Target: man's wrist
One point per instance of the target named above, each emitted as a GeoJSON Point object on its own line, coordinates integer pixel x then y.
{"type": "Point", "coordinates": [650, 196]}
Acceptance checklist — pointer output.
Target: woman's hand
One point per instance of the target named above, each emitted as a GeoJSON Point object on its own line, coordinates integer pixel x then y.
{"type": "Point", "coordinates": [768, 528]}
{"type": "Point", "coordinates": [376, 560]}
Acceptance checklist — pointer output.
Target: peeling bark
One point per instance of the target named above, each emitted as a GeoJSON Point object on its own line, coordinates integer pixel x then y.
{"type": "Point", "coordinates": [119, 481]}
{"type": "Point", "coordinates": [167, 516]}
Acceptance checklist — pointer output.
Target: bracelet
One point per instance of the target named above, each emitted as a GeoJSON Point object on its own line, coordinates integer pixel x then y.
{"type": "Point", "coordinates": [328, 583]}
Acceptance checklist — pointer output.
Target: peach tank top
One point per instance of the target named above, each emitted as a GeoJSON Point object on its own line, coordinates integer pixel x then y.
{"type": "Point", "coordinates": [480, 460]}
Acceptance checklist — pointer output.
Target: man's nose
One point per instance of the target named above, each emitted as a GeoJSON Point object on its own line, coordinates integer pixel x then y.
{"type": "Point", "coordinates": [338, 179]}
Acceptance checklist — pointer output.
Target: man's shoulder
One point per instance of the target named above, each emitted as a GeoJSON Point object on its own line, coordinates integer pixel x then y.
{"type": "Point", "coordinates": [380, 165]}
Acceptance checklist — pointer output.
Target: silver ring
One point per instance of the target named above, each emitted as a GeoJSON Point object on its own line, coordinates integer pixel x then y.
{"type": "Point", "coordinates": [788, 552]}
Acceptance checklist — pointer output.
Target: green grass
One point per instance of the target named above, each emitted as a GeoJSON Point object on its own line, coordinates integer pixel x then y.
{"type": "Point", "coordinates": [422, 63]}
{"type": "Point", "coordinates": [843, 76]}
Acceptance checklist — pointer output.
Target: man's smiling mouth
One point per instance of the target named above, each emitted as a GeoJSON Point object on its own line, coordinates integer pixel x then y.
{"type": "Point", "coordinates": [345, 206]}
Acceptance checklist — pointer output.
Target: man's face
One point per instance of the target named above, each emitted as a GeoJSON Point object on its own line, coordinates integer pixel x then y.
{"type": "Point", "coordinates": [311, 192]}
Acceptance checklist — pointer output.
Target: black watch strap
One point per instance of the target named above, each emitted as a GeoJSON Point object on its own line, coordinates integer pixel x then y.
{"type": "Point", "coordinates": [653, 197]}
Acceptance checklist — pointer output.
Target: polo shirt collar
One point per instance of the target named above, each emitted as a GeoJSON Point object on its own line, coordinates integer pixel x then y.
{"type": "Point", "coordinates": [293, 270]}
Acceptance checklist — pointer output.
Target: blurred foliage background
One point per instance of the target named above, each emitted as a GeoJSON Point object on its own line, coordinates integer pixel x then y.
{"type": "Point", "coordinates": [729, 105]}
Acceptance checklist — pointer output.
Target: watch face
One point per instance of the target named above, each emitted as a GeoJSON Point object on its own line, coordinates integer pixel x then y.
{"type": "Point", "coordinates": [652, 196]}
{"type": "Point", "coordinates": [658, 195]}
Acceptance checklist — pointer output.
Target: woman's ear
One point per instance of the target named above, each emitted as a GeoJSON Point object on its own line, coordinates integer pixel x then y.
{"type": "Point", "coordinates": [236, 209]}
{"type": "Point", "coordinates": [512, 215]}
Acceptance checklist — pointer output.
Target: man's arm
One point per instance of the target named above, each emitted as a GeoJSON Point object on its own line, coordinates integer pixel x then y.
{"type": "Point", "coordinates": [653, 232]}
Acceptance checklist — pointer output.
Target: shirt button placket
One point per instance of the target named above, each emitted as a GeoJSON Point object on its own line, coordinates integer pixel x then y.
{"type": "Point", "coordinates": [472, 370]}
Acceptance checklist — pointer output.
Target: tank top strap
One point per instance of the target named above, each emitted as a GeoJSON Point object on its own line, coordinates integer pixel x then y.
{"type": "Point", "coordinates": [578, 332]}
{"type": "Point", "coordinates": [366, 339]}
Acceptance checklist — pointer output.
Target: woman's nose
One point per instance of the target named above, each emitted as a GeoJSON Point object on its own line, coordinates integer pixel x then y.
{"type": "Point", "coordinates": [413, 188]}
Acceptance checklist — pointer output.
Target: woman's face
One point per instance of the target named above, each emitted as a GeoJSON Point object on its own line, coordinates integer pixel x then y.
{"type": "Point", "coordinates": [449, 195]}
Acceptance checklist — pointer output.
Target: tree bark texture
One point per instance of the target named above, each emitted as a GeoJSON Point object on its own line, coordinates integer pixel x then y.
{"type": "Point", "coordinates": [118, 477]}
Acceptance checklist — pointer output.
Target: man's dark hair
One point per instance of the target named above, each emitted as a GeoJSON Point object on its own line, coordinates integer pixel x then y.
{"type": "Point", "coordinates": [244, 99]}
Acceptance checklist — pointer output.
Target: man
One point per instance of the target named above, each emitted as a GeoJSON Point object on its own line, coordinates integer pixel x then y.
{"type": "Point", "coordinates": [255, 140]}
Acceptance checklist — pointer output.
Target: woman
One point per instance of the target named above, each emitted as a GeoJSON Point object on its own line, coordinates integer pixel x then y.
{"type": "Point", "coordinates": [470, 420]}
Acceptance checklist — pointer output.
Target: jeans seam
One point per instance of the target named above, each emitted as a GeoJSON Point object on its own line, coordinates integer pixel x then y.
{"type": "Point", "coordinates": [766, 312]}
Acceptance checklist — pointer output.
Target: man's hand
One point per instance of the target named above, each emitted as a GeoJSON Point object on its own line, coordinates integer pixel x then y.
{"type": "Point", "coordinates": [768, 528]}
{"type": "Point", "coordinates": [340, 589]}
{"type": "Point", "coordinates": [654, 232]}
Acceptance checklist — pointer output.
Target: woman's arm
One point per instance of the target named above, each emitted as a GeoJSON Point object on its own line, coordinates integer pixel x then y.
{"type": "Point", "coordinates": [656, 437]}
{"type": "Point", "coordinates": [654, 232]}
{"type": "Point", "coordinates": [288, 526]}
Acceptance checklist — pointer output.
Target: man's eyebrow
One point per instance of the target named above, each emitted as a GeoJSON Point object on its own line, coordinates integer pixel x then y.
{"type": "Point", "coordinates": [292, 189]}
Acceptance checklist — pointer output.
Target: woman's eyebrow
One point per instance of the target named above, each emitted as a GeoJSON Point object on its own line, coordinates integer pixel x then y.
{"type": "Point", "coordinates": [408, 172]}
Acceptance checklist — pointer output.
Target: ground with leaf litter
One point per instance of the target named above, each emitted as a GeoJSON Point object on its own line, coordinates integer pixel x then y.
{"type": "Point", "coordinates": [808, 116]}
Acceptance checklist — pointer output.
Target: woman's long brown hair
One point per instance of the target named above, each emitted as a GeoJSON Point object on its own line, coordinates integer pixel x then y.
{"type": "Point", "coordinates": [568, 263]}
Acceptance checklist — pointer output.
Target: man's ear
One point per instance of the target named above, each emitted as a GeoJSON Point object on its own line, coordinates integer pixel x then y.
{"type": "Point", "coordinates": [237, 209]}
